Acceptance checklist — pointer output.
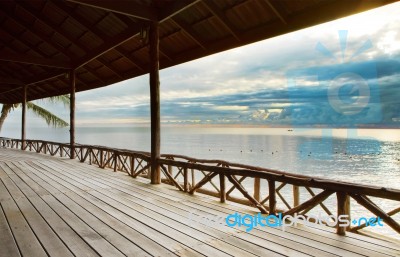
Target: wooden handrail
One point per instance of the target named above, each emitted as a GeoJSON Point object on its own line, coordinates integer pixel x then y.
{"type": "Point", "coordinates": [137, 163]}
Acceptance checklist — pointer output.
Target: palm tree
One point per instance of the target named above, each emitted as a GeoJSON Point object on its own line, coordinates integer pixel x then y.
{"type": "Point", "coordinates": [50, 118]}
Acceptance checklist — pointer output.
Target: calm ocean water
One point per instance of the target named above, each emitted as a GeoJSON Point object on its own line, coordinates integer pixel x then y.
{"type": "Point", "coordinates": [367, 156]}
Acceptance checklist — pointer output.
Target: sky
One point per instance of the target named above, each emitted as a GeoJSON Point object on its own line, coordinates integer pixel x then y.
{"type": "Point", "coordinates": [342, 73]}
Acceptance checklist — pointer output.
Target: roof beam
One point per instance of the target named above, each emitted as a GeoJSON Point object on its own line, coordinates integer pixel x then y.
{"type": "Point", "coordinates": [93, 29]}
{"type": "Point", "coordinates": [129, 57]}
{"type": "Point", "coordinates": [19, 58]}
{"type": "Point", "coordinates": [55, 27]}
{"type": "Point", "coordinates": [110, 44]}
{"type": "Point", "coordinates": [123, 7]}
{"type": "Point", "coordinates": [274, 8]}
{"type": "Point", "coordinates": [45, 77]}
{"type": "Point", "coordinates": [175, 8]}
{"type": "Point", "coordinates": [213, 8]}
{"type": "Point", "coordinates": [10, 81]}
{"type": "Point", "coordinates": [189, 31]}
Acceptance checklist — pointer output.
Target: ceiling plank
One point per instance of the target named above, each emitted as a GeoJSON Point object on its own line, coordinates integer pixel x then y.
{"type": "Point", "coordinates": [175, 8]}
{"type": "Point", "coordinates": [10, 81]}
{"type": "Point", "coordinates": [39, 34]}
{"type": "Point", "coordinates": [93, 29]}
{"type": "Point", "coordinates": [55, 27]}
{"type": "Point", "coordinates": [20, 58]}
{"type": "Point", "coordinates": [220, 15]}
{"type": "Point", "coordinates": [123, 7]}
{"type": "Point", "coordinates": [107, 46]}
{"type": "Point", "coordinates": [45, 77]}
{"type": "Point", "coordinates": [189, 31]}
{"type": "Point", "coordinates": [274, 8]}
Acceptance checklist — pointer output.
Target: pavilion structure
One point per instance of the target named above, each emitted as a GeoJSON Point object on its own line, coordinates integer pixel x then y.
{"type": "Point", "coordinates": [56, 206]}
{"type": "Point", "coordinates": [50, 48]}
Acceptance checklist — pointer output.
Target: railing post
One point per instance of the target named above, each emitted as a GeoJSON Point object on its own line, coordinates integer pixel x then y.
{"type": "Point", "coordinates": [115, 161]}
{"type": "Point", "coordinates": [132, 164]}
{"type": "Point", "coordinates": [272, 197]}
{"type": "Point", "coordinates": [185, 180]}
{"type": "Point", "coordinates": [296, 196]}
{"type": "Point", "coordinates": [222, 191]}
{"type": "Point", "coordinates": [257, 189]}
{"type": "Point", "coordinates": [170, 170]}
{"type": "Point", "coordinates": [343, 208]}
{"type": "Point", "coordinates": [101, 158]}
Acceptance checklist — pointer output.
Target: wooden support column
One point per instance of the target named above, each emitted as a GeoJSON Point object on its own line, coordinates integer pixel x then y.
{"type": "Point", "coordinates": [222, 190]}
{"type": "Point", "coordinates": [72, 113]}
{"type": "Point", "coordinates": [154, 102]}
{"type": "Point", "coordinates": [343, 208]}
{"type": "Point", "coordinates": [23, 119]}
{"type": "Point", "coordinates": [272, 197]}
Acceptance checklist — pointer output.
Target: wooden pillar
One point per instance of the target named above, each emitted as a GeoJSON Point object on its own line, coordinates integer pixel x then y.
{"type": "Point", "coordinates": [23, 119]}
{"type": "Point", "coordinates": [272, 197]}
{"type": "Point", "coordinates": [154, 102]}
{"type": "Point", "coordinates": [296, 196]}
{"type": "Point", "coordinates": [72, 113]}
{"type": "Point", "coordinates": [222, 190]}
{"type": "Point", "coordinates": [343, 208]}
{"type": "Point", "coordinates": [257, 190]}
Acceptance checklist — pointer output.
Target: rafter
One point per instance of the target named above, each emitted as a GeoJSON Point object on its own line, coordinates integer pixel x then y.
{"type": "Point", "coordinates": [213, 8]}
{"type": "Point", "coordinates": [39, 34]}
{"type": "Point", "coordinates": [107, 46]}
{"type": "Point", "coordinates": [94, 29]}
{"type": "Point", "coordinates": [190, 32]}
{"type": "Point", "coordinates": [129, 57]}
{"type": "Point", "coordinates": [175, 8]}
{"type": "Point", "coordinates": [10, 81]}
{"type": "Point", "coordinates": [42, 78]}
{"type": "Point", "coordinates": [123, 7]}
{"type": "Point", "coordinates": [55, 27]}
{"type": "Point", "coordinates": [275, 9]}
{"type": "Point", "coordinates": [93, 72]}
{"type": "Point", "coordinates": [22, 58]}
{"type": "Point", "coordinates": [79, 19]}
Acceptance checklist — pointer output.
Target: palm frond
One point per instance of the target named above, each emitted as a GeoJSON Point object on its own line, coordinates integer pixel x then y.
{"type": "Point", "coordinates": [58, 99]}
{"type": "Point", "coordinates": [50, 118]}
{"type": "Point", "coordinates": [9, 107]}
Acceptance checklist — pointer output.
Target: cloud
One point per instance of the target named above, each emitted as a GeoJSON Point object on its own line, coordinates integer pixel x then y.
{"type": "Point", "coordinates": [283, 80]}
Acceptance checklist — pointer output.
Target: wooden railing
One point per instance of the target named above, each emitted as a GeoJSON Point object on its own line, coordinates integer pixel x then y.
{"type": "Point", "coordinates": [269, 191]}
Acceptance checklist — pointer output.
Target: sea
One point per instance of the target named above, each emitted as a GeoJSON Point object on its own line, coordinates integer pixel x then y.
{"type": "Point", "coordinates": [365, 156]}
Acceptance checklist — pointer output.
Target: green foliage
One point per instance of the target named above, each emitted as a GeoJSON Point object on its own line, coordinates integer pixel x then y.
{"type": "Point", "coordinates": [50, 118]}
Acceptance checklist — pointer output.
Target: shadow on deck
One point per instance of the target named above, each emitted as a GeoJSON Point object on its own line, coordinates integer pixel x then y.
{"type": "Point", "coordinates": [59, 207]}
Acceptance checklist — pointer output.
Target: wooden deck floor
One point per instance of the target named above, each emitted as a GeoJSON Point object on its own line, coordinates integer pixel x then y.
{"type": "Point", "coordinates": [60, 207]}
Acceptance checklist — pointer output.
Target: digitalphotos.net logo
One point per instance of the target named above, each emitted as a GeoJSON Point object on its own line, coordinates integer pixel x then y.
{"type": "Point", "coordinates": [249, 222]}
{"type": "Point", "coordinates": [341, 93]}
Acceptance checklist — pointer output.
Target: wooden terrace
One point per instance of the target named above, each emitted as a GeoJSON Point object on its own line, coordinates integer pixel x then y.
{"type": "Point", "coordinates": [53, 206]}
{"type": "Point", "coordinates": [59, 205]}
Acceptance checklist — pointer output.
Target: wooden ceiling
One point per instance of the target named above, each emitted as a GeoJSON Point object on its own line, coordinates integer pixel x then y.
{"type": "Point", "coordinates": [42, 40]}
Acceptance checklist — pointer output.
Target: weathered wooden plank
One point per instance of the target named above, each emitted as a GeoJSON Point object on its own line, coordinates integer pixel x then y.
{"type": "Point", "coordinates": [26, 239]}
{"type": "Point", "coordinates": [148, 221]}
{"type": "Point", "coordinates": [91, 237]}
{"type": "Point", "coordinates": [346, 243]}
{"type": "Point", "coordinates": [49, 240]}
{"type": "Point", "coordinates": [161, 239]}
{"type": "Point", "coordinates": [161, 217]}
{"type": "Point", "coordinates": [109, 234]}
{"type": "Point", "coordinates": [74, 242]}
{"type": "Point", "coordinates": [8, 246]}
{"type": "Point", "coordinates": [349, 241]}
